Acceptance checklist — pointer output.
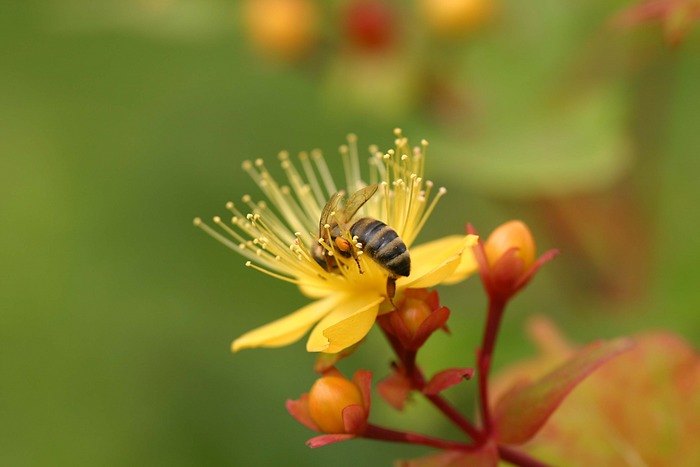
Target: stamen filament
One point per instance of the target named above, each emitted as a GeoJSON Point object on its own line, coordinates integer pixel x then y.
{"type": "Point", "coordinates": [427, 213]}
{"type": "Point", "coordinates": [317, 156]}
{"type": "Point", "coordinates": [311, 177]}
{"type": "Point", "coordinates": [250, 264]}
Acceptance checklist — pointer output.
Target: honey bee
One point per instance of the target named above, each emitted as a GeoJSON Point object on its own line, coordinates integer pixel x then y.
{"type": "Point", "coordinates": [377, 240]}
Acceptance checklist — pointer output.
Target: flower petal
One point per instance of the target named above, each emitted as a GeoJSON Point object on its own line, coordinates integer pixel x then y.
{"type": "Point", "coordinates": [467, 265]}
{"type": "Point", "coordinates": [439, 261]}
{"type": "Point", "coordinates": [316, 288]}
{"type": "Point", "coordinates": [347, 324]}
{"type": "Point", "coordinates": [288, 329]}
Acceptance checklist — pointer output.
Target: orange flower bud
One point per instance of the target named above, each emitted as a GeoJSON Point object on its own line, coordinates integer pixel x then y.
{"type": "Point", "coordinates": [507, 260]}
{"type": "Point", "coordinates": [455, 17]}
{"type": "Point", "coordinates": [285, 29]}
{"type": "Point", "coordinates": [513, 234]}
{"type": "Point", "coordinates": [328, 397]}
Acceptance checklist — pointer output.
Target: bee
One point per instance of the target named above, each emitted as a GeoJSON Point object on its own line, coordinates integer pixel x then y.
{"type": "Point", "coordinates": [377, 240]}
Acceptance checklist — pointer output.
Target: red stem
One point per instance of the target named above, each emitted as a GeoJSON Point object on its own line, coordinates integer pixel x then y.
{"type": "Point", "coordinates": [484, 358]}
{"type": "Point", "coordinates": [456, 417]}
{"type": "Point", "coordinates": [415, 375]}
{"type": "Point", "coordinates": [385, 434]}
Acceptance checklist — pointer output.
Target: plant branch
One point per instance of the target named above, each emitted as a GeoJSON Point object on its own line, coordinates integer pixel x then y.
{"type": "Point", "coordinates": [385, 434]}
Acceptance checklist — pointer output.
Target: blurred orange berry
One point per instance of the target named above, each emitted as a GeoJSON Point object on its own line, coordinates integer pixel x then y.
{"type": "Point", "coordinates": [285, 29]}
{"type": "Point", "coordinates": [328, 397]}
{"type": "Point", "coordinates": [456, 17]}
{"type": "Point", "coordinates": [512, 234]}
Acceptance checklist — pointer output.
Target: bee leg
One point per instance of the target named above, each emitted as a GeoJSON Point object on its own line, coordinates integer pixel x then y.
{"type": "Point", "coordinates": [347, 249]}
{"type": "Point", "coordinates": [357, 260]}
{"type": "Point", "coordinates": [391, 288]}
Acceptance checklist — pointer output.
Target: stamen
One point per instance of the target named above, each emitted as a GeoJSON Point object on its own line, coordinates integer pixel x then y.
{"type": "Point", "coordinates": [217, 220]}
{"type": "Point", "coordinates": [288, 207]}
{"type": "Point", "coordinates": [311, 177]}
{"type": "Point", "coordinates": [308, 261]}
{"type": "Point", "coordinates": [223, 240]}
{"type": "Point", "coordinates": [355, 174]}
{"type": "Point", "coordinates": [278, 235]}
{"type": "Point", "coordinates": [309, 208]}
{"type": "Point", "coordinates": [424, 218]}
{"type": "Point", "coordinates": [250, 264]}
{"type": "Point", "coordinates": [317, 156]}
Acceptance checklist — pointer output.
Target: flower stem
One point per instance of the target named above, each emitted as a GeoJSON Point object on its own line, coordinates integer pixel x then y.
{"type": "Point", "coordinates": [485, 356]}
{"type": "Point", "coordinates": [457, 418]}
{"type": "Point", "coordinates": [417, 379]}
{"type": "Point", "coordinates": [385, 434]}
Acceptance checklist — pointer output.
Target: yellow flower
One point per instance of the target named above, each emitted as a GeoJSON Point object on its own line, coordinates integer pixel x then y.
{"type": "Point", "coordinates": [348, 298]}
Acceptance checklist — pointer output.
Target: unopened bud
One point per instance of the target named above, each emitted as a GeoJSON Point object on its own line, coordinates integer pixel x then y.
{"type": "Point", "coordinates": [418, 315]}
{"type": "Point", "coordinates": [327, 399]}
{"type": "Point", "coordinates": [511, 235]}
{"type": "Point", "coordinates": [413, 312]}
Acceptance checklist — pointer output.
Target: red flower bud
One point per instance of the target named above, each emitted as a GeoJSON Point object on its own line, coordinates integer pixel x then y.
{"type": "Point", "coordinates": [418, 315]}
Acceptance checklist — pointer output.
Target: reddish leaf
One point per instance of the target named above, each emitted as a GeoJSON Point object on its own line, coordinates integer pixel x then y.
{"type": "Point", "coordinates": [363, 379]}
{"type": "Point", "coordinates": [485, 456]}
{"type": "Point", "coordinates": [299, 409]}
{"type": "Point", "coordinates": [322, 440]}
{"type": "Point", "coordinates": [521, 412]}
{"type": "Point", "coordinates": [447, 378]}
{"type": "Point", "coordinates": [395, 390]}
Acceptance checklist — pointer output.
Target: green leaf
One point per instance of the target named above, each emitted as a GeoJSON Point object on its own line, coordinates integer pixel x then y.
{"type": "Point", "coordinates": [557, 151]}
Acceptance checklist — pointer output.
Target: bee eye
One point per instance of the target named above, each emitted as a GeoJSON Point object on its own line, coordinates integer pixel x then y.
{"type": "Point", "coordinates": [343, 244]}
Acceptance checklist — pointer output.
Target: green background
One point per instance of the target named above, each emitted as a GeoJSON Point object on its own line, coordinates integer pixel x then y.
{"type": "Point", "coordinates": [118, 126]}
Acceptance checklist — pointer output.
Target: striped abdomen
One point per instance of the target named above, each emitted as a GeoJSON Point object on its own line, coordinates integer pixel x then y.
{"type": "Point", "coordinates": [381, 243]}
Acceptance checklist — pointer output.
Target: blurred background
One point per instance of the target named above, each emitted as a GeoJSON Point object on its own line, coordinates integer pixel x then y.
{"type": "Point", "coordinates": [121, 120]}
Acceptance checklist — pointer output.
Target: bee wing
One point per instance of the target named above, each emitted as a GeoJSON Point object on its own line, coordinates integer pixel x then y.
{"type": "Point", "coordinates": [357, 200]}
{"type": "Point", "coordinates": [331, 205]}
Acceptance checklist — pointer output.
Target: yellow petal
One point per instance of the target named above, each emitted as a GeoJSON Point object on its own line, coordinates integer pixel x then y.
{"type": "Point", "coordinates": [316, 289]}
{"type": "Point", "coordinates": [288, 329]}
{"type": "Point", "coordinates": [467, 265]}
{"type": "Point", "coordinates": [438, 261]}
{"type": "Point", "coordinates": [346, 325]}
